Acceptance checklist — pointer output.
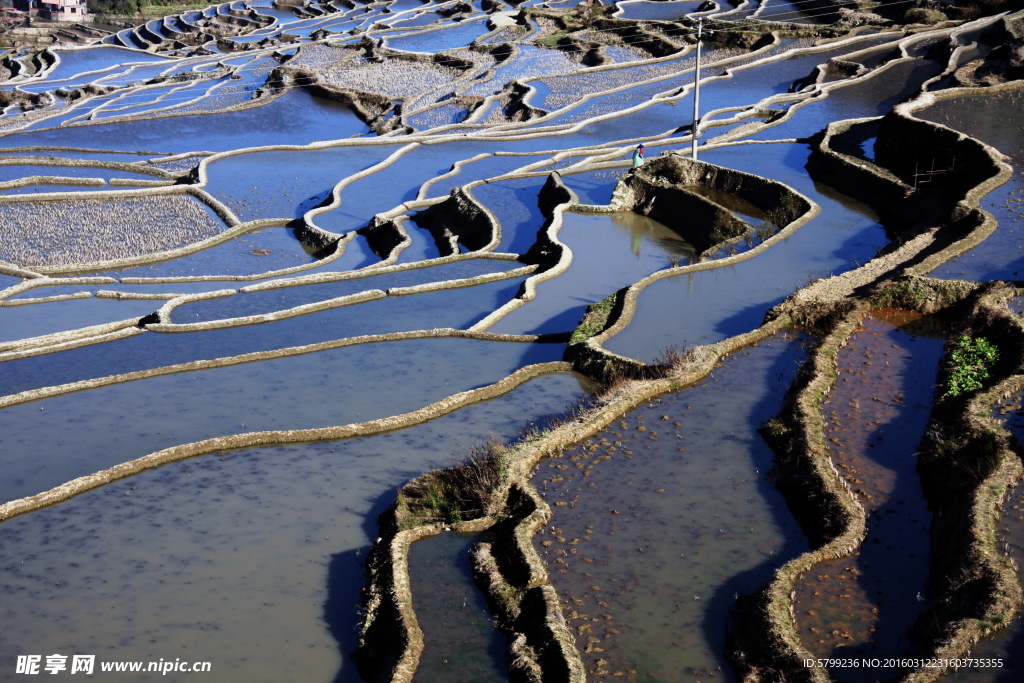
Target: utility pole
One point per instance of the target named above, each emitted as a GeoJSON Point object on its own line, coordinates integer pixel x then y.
{"type": "Point", "coordinates": [696, 88]}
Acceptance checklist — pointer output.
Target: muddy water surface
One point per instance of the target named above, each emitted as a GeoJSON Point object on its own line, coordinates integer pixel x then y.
{"type": "Point", "coordinates": [663, 518]}
{"type": "Point", "coordinates": [249, 559]}
{"type": "Point", "coordinates": [1007, 647]}
{"type": "Point", "coordinates": [862, 606]}
{"type": "Point", "coordinates": [608, 252]}
{"type": "Point", "coordinates": [51, 441]}
{"type": "Point", "coordinates": [459, 641]}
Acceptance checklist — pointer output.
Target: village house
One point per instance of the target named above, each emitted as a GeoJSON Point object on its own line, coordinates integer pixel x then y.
{"type": "Point", "coordinates": [56, 10]}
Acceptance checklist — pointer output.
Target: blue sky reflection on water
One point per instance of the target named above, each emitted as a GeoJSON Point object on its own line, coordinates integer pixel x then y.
{"type": "Point", "coordinates": [252, 559]}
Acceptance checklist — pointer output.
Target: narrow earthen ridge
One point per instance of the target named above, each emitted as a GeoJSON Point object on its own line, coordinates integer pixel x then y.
{"type": "Point", "coordinates": [508, 568]}
{"type": "Point", "coordinates": [371, 108]}
{"type": "Point", "coordinates": [100, 164]}
{"type": "Point", "coordinates": [385, 236]}
{"type": "Point", "coordinates": [670, 170]}
{"type": "Point", "coordinates": [390, 644]}
{"type": "Point", "coordinates": [949, 215]}
{"type": "Point", "coordinates": [516, 96]}
{"type": "Point", "coordinates": [798, 433]}
{"type": "Point", "coordinates": [67, 338]}
{"type": "Point", "coordinates": [968, 464]}
{"type": "Point", "coordinates": [231, 442]}
{"type": "Point", "coordinates": [888, 182]}
{"type": "Point", "coordinates": [511, 573]}
{"type": "Point", "coordinates": [790, 209]}
{"type": "Point", "coordinates": [320, 242]}
{"type": "Point", "coordinates": [764, 643]}
{"type": "Point", "coordinates": [700, 221]}
{"type": "Point", "coordinates": [90, 333]}
{"type": "Point", "coordinates": [551, 257]}
{"type": "Point", "coordinates": [459, 219]}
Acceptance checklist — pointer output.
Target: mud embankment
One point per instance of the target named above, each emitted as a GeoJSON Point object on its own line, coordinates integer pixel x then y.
{"type": "Point", "coordinates": [490, 493]}
{"type": "Point", "coordinates": [764, 643]}
{"type": "Point", "coordinates": [659, 183]}
{"type": "Point", "coordinates": [457, 220]}
{"type": "Point", "coordinates": [371, 108]}
{"type": "Point", "coordinates": [921, 174]}
{"type": "Point", "coordinates": [484, 495]}
{"type": "Point", "coordinates": [966, 463]}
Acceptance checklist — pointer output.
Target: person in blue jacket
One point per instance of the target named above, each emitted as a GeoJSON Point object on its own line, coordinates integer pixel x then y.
{"type": "Point", "coordinates": [638, 157]}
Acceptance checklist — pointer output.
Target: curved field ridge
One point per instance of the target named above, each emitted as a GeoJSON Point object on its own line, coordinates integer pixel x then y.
{"type": "Point", "coordinates": [237, 441]}
{"type": "Point", "coordinates": [765, 642]}
{"type": "Point", "coordinates": [832, 517]}
{"type": "Point", "coordinates": [250, 182]}
{"type": "Point", "coordinates": [519, 590]}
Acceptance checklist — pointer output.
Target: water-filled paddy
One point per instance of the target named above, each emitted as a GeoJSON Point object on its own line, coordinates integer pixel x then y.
{"type": "Point", "coordinates": [1006, 645]}
{"type": "Point", "coordinates": [872, 95]}
{"type": "Point", "coordinates": [664, 517]}
{"type": "Point", "coordinates": [21, 322]}
{"type": "Point", "coordinates": [622, 248]}
{"type": "Point", "coordinates": [252, 253]}
{"type": "Point", "coordinates": [437, 40]}
{"type": "Point", "coordinates": [296, 118]}
{"type": "Point", "coordinates": [708, 306]}
{"type": "Point", "coordinates": [125, 421]}
{"type": "Point", "coordinates": [285, 183]}
{"type": "Point", "coordinates": [9, 172]}
{"type": "Point", "coordinates": [75, 62]}
{"type": "Point", "coordinates": [270, 300]}
{"type": "Point", "coordinates": [876, 415]}
{"type": "Point", "coordinates": [667, 11]}
{"type": "Point", "coordinates": [460, 642]}
{"type": "Point", "coordinates": [993, 120]}
{"type": "Point", "coordinates": [251, 559]}
{"type": "Point", "coordinates": [266, 542]}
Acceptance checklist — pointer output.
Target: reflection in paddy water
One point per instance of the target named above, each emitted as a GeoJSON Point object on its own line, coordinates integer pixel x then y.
{"type": "Point", "coordinates": [251, 559]}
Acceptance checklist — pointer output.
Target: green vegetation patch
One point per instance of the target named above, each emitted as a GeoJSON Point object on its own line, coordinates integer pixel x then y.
{"type": "Point", "coordinates": [553, 39]}
{"type": "Point", "coordinates": [456, 494]}
{"type": "Point", "coordinates": [969, 364]}
{"type": "Point", "coordinates": [904, 294]}
{"type": "Point", "coordinates": [595, 319]}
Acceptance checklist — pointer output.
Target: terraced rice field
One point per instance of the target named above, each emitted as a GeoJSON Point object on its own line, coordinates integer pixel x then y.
{"type": "Point", "coordinates": [263, 264]}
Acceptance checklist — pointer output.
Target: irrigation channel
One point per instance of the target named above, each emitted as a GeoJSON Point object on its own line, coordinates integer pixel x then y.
{"type": "Point", "coordinates": [261, 265]}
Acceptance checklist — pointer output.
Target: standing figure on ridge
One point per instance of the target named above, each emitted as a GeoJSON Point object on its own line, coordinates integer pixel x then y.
{"type": "Point", "coordinates": [638, 157]}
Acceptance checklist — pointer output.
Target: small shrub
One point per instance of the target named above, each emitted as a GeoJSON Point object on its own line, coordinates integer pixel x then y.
{"type": "Point", "coordinates": [904, 294]}
{"type": "Point", "coordinates": [774, 428]}
{"type": "Point", "coordinates": [671, 357]}
{"type": "Point", "coordinates": [790, 208]}
{"type": "Point", "coordinates": [969, 364]}
{"type": "Point", "coordinates": [458, 493]}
